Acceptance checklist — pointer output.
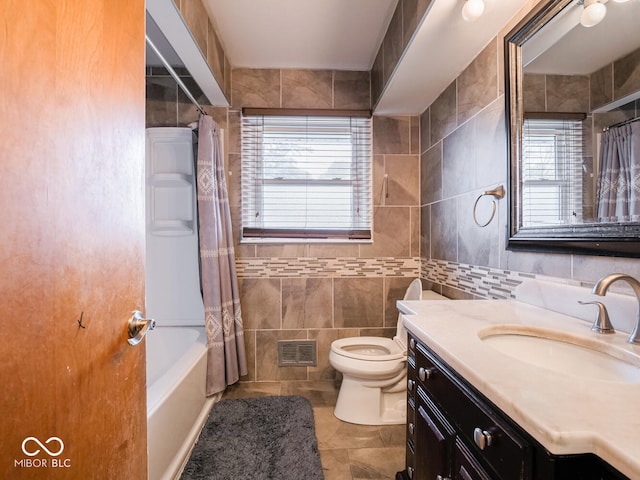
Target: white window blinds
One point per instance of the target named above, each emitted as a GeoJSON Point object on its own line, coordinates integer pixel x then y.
{"type": "Point", "coordinates": [552, 172]}
{"type": "Point", "coordinates": [306, 176]}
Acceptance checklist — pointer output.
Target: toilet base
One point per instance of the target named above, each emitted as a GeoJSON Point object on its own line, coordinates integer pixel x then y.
{"type": "Point", "coordinates": [371, 405]}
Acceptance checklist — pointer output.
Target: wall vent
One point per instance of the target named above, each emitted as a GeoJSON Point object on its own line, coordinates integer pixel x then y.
{"type": "Point", "coordinates": [297, 353]}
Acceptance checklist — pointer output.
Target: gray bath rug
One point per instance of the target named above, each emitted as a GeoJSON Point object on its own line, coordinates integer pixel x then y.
{"type": "Point", "coordinates": [257, 439]}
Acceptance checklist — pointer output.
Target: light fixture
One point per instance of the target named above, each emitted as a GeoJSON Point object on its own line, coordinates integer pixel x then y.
{"type": "Point", "coordinates": [620, 1]}
{"type": "Point", "coordinates": [472, 10]}
{"type": "Point", "coordinates": [593, 13]}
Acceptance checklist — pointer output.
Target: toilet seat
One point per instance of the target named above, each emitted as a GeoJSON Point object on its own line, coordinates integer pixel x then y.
{"type": "Point", "coordinates": [371, 349]}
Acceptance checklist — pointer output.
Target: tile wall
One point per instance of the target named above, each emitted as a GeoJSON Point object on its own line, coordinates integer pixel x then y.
{"type": "Point", "coordinates": [315, 291]}
{"type": "Point", "coordinates": [463, 153]}
{"type": "Point", "coordinates": [326, 291]}
{"type": "Point", "coordinates": [406, 19]}
{"type": "Point", "coordinates": [196, 17]}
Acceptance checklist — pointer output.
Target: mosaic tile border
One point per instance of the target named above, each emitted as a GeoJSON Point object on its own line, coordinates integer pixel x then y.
{"type": "Point", "coordinates": [335, 267]}
{"type": "Point", "coordinates": [491, 283]}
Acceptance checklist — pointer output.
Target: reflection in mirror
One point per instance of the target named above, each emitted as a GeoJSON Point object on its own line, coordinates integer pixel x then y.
{"type": "Point", "coordinates": [575, 137]}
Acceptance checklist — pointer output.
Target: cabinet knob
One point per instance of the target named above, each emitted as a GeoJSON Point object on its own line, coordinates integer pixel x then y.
{"type": "Point", "coordinates": [426, 373]}
{"type": "Point", "coordinates": [440, 477]}
{"type": "Point", "coordinates": [410, 472]}
{"type": "Point", "coordinates": [412, 343]}
{"type": "Point", "coordinates": [411, 384]}
{"type": "Point", "coordinates": [412, 428]}
{"type": "Point", "coordinates": [482, 438]}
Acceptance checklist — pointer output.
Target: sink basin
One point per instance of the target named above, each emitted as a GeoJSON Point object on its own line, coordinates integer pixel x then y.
{"type": "Point", "coordinates": [564, 353]}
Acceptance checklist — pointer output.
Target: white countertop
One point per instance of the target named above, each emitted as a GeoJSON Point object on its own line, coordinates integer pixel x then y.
{"type": "Point", "coordinates": [566, 413]}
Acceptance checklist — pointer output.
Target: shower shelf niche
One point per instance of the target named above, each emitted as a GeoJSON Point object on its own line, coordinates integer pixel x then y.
{"type": "Point", "coordinates": [170, 182]}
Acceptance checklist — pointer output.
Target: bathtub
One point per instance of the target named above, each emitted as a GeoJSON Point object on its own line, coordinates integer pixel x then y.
{"type": "Point", "coordinates": [176, 404]}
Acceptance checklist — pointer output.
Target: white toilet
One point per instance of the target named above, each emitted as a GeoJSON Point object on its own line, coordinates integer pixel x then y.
{"type": "Point", "coordinates": [374, 372]}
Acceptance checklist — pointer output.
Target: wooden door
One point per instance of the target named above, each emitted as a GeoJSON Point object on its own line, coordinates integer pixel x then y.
{"type": "Point", "coordinates": [72, 239]}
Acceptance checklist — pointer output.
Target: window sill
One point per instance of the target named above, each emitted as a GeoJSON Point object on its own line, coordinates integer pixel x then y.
{"type": "Point", "coordinates": [281, 241]}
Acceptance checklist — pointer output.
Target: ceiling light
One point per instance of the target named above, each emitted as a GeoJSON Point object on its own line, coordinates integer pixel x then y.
{"type": "Point", "coordinates": [620, 1]}
{"type": "Point", "coordinates": [472, 10]}
{"type": "Point", "coordinates": [593, 13]}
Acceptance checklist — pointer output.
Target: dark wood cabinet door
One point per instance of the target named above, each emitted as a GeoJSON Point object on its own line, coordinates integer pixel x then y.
{"type": "Point", "coordinates": [434, 442]}
{"type": "Point", "coordinates": [465, 466]}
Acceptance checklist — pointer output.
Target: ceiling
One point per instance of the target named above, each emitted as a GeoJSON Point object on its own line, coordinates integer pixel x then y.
{"type": "Point", "coordinates": [309, 34]}
{"type": "Point", "coordinates": [346, 35]}
{"type": "Point", "coordinates": [572, 49]}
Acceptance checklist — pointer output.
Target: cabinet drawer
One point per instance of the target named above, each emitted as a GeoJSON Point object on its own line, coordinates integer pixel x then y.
{"type": "Point", "coordinates": [487, 436]}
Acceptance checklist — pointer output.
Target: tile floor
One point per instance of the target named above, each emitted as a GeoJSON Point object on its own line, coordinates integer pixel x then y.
{"type": "Point", "coordinates": [347, 451]}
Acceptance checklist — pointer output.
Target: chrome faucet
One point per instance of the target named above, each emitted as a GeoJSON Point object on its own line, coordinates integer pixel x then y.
{"type": "Point", "coordinates": [601, 287]}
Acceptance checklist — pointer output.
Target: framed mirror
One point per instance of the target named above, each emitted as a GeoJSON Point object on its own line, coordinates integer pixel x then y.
{"type": "Point", "coordinates": [573, 106]}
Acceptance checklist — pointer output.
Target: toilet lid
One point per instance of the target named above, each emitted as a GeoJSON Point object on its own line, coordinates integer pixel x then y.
{"type": "Point", "coordinates": [369, 348]}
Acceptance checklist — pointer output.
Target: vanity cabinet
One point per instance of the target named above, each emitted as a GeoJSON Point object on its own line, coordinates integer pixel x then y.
{"type": "Point", "coordinates": [454, 433]}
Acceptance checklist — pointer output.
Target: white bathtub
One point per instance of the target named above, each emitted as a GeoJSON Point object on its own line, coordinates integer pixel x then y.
{"type": "Point", "coordinates": [176, 404]}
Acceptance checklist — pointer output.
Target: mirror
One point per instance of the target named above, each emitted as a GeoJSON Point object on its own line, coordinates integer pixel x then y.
{"type": "Point", "coordinates": [573, 97]}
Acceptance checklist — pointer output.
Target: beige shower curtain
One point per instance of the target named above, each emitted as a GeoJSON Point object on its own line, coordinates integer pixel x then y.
{"type": "Point", "coordinates": [226, 359]}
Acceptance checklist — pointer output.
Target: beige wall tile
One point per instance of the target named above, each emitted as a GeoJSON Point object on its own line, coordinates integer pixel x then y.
{"type": "Point", "coordinates": [431, 174]}
{"type": "Point", "coordinates": [215, 55]}
{"type": "Point", "coordinates": [306, 303]}
{"type": "Point", "coordinates": [258, 88]}
{"type": "Point", "coordinates": [478, 83]}
{"type": "Point", "coordinates": [391, 135]}
{"type": "Point", "coordinates": [443, 114]}
{"type": "Point", "coordinates": [567, 93]}
{"type": "Point", "coordinates": [534, 93]}
{"type": "Point", "coordinates": [351, 90]}
{"type": "Point", "coordinates": [627, 75]}
{"type": "Point", "coordinates": [412, 13]}
{"type": "Point", "coordinates": [307, 89]}
{"type": "Point", "coordinates": [393, 43]}
{"type": "Point", "coordinates": [260, 302]}
{"type": "Point", "coordinates": [331, 250]}
{"type": "Point", "coordinates": [391, 233]}
{"type": "Point", "coordinates": [358, 302]}
{"type": "Point", "coordinates": [403, 182]}
{"type": "Point", "coordinates": [197, 19]}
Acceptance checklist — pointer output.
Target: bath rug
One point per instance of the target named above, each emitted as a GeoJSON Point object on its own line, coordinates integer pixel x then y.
{"type": "Point", "coordinates": [257, 439]}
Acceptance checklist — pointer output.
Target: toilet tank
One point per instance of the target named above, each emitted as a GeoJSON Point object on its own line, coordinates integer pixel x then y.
{"type": "Point", "coordinates": [423, 295]}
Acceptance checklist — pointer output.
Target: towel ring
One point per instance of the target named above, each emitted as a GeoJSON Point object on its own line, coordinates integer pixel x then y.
{"type": "Point", "coordinates": [497, 194]}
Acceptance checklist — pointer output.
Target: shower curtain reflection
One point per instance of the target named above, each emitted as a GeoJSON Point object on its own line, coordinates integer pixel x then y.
{"type": "Point", "coordinates": [226, 359]}
{"type": "Point", "coordinates": [619, 180]}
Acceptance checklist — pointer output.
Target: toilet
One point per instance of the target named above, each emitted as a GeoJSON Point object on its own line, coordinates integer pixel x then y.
{"type": "Point", "coordinates": [374, 372]}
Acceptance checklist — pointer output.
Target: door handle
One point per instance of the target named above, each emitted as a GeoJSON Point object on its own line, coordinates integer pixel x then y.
{"type": "Point", "coordinates": [138, 327]}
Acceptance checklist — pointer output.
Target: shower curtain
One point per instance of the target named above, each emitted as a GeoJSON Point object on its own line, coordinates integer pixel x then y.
{"type": "Point", "coordinates": [619, 179]}
{"type": "Point", "coordinates": [226, 359]}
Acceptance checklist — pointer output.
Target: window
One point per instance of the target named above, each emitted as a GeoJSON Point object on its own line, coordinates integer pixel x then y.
{"type": "Point", "coordinates": [306, 176]}
{"type": "Point", "coordinates": [552, 172]}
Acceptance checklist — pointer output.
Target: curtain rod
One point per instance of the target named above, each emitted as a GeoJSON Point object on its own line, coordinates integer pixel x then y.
{"type": "Point", "coordinates": [620, 124]}
{"type": "Point", "coordinates": [175, 76]}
